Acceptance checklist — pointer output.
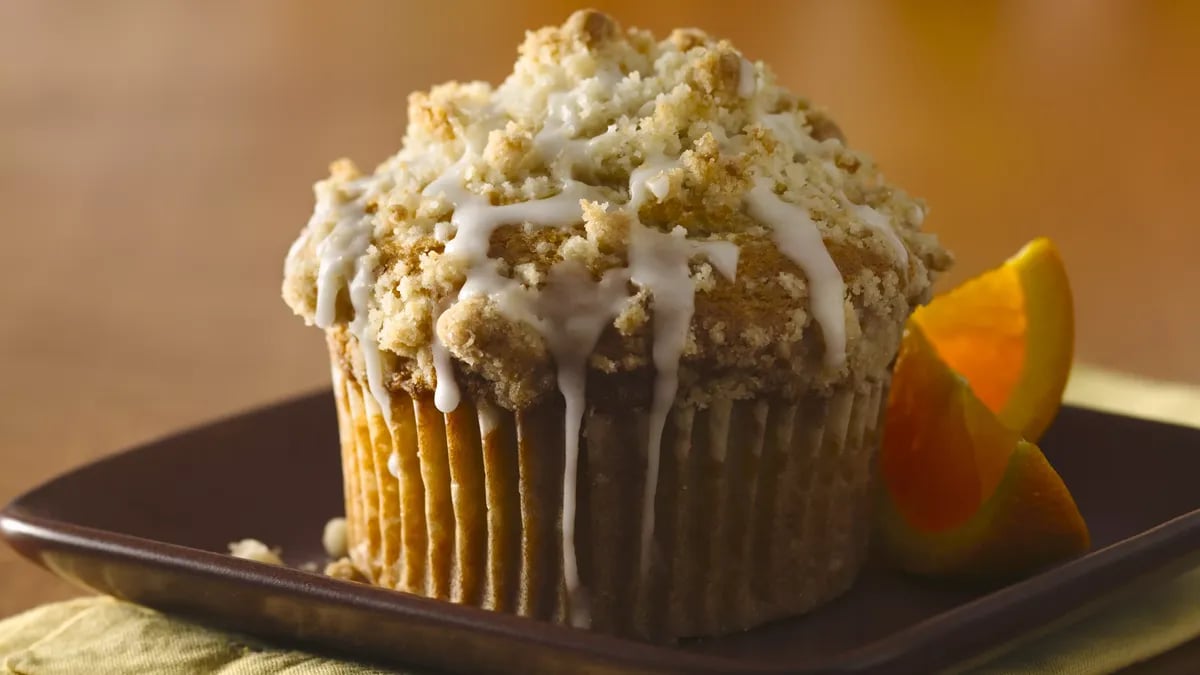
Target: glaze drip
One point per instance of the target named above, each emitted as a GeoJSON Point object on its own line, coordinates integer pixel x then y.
{"type": "Point", "coordinates": [475, 220]}
{"type": "Point", "coordinates": [572, 310]}
{"type": "Point", "coordinates": [344, 249]}
{"type": "Point", "coordinates": [798, 238]}
{"type": "Point", "coordinates": [659, 263]}
{"type": "Point", "coordinates": [880, 224]}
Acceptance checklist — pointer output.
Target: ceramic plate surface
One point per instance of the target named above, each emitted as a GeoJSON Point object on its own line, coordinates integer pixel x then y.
{"type": "Point", "coordinates": [151, 524]}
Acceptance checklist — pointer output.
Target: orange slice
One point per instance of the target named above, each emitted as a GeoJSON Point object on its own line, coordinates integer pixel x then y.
{"type": "Point", "coordinates": [1010, 332]}
{"type": "Point", "coordinates": [965, 494]}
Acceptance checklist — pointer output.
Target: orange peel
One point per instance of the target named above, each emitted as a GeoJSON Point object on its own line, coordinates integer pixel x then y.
{"type": "Point", "coordinates": [965, 493]}
{"type": "Point", "coordinates": [1011, 333]}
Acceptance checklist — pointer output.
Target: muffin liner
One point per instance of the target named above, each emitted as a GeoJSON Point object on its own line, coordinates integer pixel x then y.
{"type": "Point", "coordinates": [762, 507]}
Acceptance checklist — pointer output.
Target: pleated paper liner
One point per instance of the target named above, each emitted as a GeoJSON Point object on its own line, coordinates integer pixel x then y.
{"type": "Point", "coordinates": [761, 509]}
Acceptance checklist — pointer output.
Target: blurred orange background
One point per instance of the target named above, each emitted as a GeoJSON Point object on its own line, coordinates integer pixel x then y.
{"type": "Point", "coordinates": [156, 161]}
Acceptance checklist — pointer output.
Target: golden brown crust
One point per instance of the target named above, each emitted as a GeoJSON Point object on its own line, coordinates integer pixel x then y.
{"type": "Point", "coordinates": [636, 99]}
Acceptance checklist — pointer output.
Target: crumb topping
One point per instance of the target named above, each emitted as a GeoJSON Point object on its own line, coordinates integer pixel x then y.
{"type": "Point", "coordinates": [621, 133]}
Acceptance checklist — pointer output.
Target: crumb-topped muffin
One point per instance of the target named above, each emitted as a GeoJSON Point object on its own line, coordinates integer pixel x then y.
{"type": "Point", "coordinates": [610, 341]}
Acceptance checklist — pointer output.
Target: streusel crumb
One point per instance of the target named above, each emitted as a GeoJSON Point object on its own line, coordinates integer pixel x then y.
{"type": "Point", "coordinates": [333, 537]}
{"type": "Point", "coordinates": [253, 549]}
{"type": "Point", "coordinates": [617, 99]}
{"type": "Point", "coordinates": [343, 569]}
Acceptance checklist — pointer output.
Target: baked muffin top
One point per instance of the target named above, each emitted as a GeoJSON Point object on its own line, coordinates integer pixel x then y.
{"type": "Point", "coordinates": [622, 206]}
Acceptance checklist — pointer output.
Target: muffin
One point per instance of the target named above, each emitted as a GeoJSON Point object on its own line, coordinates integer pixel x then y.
{"type": "Point", "coordinates": [610, 341]}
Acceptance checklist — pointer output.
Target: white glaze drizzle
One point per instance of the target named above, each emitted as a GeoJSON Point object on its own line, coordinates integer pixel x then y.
{"type": "Point", "coordinates": [658, 262]}
{"type": "Point", "coordinates": [572, 311]}
{"type": "Point", "coordinates": [555, 141]}
{"type": "Point", "coordinates": [475, 220]}
{"type": "Point", "coordinates": [917, 215]}
{"type": "Point", "coordinates": [346, 242]}
{"type": "Point", "coordinates": [345, 249]}
{"type": "Point", "coordinates": [878, 222]}
{"type": "Point", "coordinates": [446, 395]}
{"type": "Point", "coordinates": [489, 417]}
{"type": "Point", "coordinates": [797, 237]}
{"type": "Point", "coordinates": [361, 290]}
{"type": "Point", "coordinates": [651, 178]}
{"type": "Point", "coordinates": [659, 186]}
{"type": "Point", "coordinates": [747, 79]}
{"type": "Point", "coordinates": [783, 126]}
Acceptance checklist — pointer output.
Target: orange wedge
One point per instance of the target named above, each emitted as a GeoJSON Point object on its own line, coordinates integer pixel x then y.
{"type": "Point", "coordinates": [1010, 332]}
{"type": "Point", "coordinates": [964, 494]}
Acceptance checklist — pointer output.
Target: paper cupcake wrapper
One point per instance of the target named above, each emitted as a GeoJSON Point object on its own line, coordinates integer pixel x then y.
{"type": "Point", "coordinates": [762, 507]}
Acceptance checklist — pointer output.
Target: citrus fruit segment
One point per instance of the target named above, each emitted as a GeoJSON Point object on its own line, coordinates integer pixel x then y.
{"type": "Point", "coordinates": [963, 494]}
{"type": "Point", "coordinates": [1010, 332]}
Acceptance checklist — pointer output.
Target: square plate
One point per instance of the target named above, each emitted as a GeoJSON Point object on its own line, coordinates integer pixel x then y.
{"type": "Point", "coordinates": [151, 525]}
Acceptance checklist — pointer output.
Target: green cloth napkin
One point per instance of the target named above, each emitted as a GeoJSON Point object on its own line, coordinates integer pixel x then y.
{"type": "Point", "coordinates": [97, 634]}
{"type": "Point", "coordinates": [105, 635]}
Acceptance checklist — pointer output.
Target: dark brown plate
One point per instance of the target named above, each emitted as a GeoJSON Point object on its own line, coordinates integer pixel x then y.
{"type": "Point", "coordinates": [150, 525]}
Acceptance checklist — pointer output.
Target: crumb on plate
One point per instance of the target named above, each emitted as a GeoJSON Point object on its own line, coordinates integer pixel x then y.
{"type": "Point", "coordinates": [253, 549]}
{"type": "Point", "coordinates": [334, 538]}
{"type": "Point", "coordinates": [343, 569]}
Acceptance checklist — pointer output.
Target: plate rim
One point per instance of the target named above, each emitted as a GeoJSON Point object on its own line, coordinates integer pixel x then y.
{"type": "Point", "coordinates": [1168, 548]}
